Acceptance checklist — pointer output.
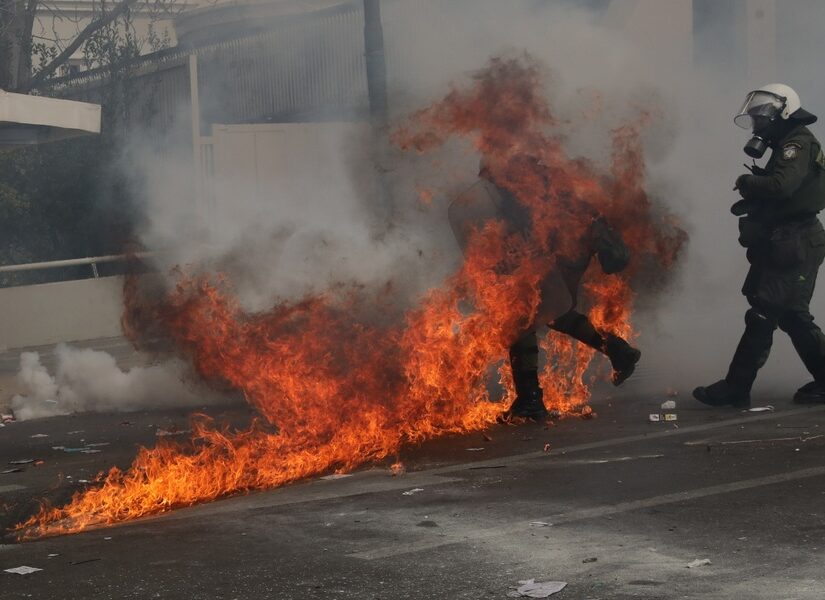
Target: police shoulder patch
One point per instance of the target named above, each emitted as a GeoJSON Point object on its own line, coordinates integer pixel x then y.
{"type": "Point", "coordinates": [790, 151]}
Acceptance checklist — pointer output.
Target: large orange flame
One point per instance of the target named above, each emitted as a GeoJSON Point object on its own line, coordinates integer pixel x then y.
{"type": "Point", "coordinates": [333, 389]}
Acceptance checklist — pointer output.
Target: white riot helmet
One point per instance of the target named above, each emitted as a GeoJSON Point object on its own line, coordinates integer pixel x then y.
{"type": "Point", "coordinates": [771, 102]}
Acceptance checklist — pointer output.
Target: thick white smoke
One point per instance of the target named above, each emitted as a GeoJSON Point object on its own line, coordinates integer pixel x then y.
{"type": "Point", "coordinates": [87, 380]}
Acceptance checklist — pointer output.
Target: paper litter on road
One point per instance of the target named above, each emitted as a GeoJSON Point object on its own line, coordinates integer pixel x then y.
{"type": "Point", "coordinates": [39, 435]}
{"type": "Point", "coordinates": [24, 570]}
{"type": "Point", "coordinates": [540, 524]}
{"type": "Point", "coordinates": [474, 449]}
{"type": "Point", "coordinates": [82, 450]}
{"type": "Point", "coordinates": [531, 588]}
{"type": "Point", "coordinates": [757, 409]}
{"type": "Point", "coordinates": [336, 476]}
{"type": "Point", "coordinates": [412, 491]}
{"type": "Point", "coordinates": [14, 470]}
{"type": "Point", "coordinates": [699, 562]}
{"type": "Point", "coordinates": [22, 461]}
{"type": "Point", "coordinates": [669, 405]}
{"type": "Point", "coordinates": [654, 417]}
{"type": "Point", "coordinates": [167, 433]}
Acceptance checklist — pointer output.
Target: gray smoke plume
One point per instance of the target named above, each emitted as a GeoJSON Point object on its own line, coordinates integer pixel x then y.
{"type": "Point", "coordinates": [87, 380]}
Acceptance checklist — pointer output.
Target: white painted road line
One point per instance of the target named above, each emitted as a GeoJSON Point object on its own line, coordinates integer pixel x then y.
{"type": "Point", "coordinates": [11, 488]}
{"type": "Point", "coordinates": [465, 535]}
{"type": "Point", "coordinates": [515, 459]}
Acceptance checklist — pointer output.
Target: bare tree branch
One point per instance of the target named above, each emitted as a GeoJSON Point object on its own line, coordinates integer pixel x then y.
{"type": "Point", "coordinates": [67, 52]}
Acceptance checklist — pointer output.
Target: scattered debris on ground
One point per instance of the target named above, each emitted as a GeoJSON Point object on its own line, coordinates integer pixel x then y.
{"type": "Point", "coordinates": [426, 523]}
{"type": "Point", "coordinates": [592, 559]}
{"type": "Point", "coordinates": [23, 570]}
{"type": "Point", "coordinates": [757, 409]}
{"type": "Point", "coordinates": [412, 491]}
{"type": "Point", "coordinates": [531, 588]}
{"type": "Point", "coordinates": [335, 476]}
{"type": "Point", "coordinates": [669, 405]}
{"type": "Point", "coordinates": [171, 432]}
{"type": "Point", "coordinates": [699, 562]}
{"type": "Point", "coordinates": [83, 562]}
{"type": "Point", "coordinates": [88, 449]}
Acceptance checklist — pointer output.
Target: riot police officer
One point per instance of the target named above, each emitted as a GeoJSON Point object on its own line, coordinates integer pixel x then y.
{"type": "Point", "coordinates": [785, 244]}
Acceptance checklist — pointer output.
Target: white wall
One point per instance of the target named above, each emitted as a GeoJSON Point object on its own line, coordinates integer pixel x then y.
{"type": "Point", "coordinates": [67, 311]}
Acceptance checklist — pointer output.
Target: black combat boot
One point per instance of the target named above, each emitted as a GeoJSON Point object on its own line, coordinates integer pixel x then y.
{"type": "Point", "coordinates": [810, 393]}
{"type": "Point", "coordinates": [723, 393]}
{"type": "Point", "coordinates": [529, 403]}
{"type": "Point", "coordinates": [623, 357]}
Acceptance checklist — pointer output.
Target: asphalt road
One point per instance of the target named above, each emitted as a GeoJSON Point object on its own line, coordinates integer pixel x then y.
{"type": "Point", "coordinates": [617, 509]}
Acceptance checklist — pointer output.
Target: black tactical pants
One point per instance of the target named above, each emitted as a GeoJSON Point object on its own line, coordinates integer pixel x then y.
{"type": "Point", "coordinates": [779, 291]}
{"type": "Point", "coordinates": [525, 352]}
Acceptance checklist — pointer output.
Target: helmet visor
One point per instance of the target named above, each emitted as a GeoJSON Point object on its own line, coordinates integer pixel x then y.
{"type": "Point", "coordinates": [759, 104]}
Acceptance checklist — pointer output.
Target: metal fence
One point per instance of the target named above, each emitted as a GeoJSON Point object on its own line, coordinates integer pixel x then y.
{"type": "Point", "coordinates": [303, 68]}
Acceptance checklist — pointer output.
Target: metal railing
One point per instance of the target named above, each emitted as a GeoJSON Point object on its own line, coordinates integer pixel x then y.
{"type": "Point", "coordinates": [73, 262]}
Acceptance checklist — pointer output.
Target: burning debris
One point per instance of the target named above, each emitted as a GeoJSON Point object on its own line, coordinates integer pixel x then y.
{"type": "Point", "coordinates": [343, 391]}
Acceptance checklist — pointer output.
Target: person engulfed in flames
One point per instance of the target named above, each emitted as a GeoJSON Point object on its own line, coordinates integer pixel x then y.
{"type": "Point", "coordinates": [560, 291]}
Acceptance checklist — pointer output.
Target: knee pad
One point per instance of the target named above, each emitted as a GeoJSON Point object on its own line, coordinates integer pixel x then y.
{"type": "Point", "coordinates": [759, 321]}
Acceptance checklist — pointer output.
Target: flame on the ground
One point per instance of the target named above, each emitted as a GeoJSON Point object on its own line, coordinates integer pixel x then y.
{"type": "Point", "coordinates": [333, 389]}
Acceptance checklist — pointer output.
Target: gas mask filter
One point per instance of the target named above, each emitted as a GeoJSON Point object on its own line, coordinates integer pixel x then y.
{"type": "Point", "coordinates": [756, 147]}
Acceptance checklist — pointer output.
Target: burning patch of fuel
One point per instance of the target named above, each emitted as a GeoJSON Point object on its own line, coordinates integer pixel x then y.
{"type": "Point", "coordinates": [333, 389]}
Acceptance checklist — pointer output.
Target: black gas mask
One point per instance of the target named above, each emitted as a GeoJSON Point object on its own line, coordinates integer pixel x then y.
{"type": "Point", "coordinates": [760, 113]}
{"type": "Point", "coordinates": [756, 146]}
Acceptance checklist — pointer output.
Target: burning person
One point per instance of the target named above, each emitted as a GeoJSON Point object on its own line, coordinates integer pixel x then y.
{"type": "Point", "coordinates": [785, 244]}
{"type": "Point", "coordinates": [559, 294]}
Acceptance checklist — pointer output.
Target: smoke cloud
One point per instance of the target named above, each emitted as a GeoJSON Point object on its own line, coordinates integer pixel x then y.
{"type": "Point", "coordinates": [87, 380]}
{"type": "Point", "coordinates": [319, 219]}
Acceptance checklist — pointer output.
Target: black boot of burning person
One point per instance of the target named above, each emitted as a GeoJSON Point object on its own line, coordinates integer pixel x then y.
{"type": "Point", "coordinates": [529, 402]}
{"type": "Point", "coordinates": [623, 357]}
